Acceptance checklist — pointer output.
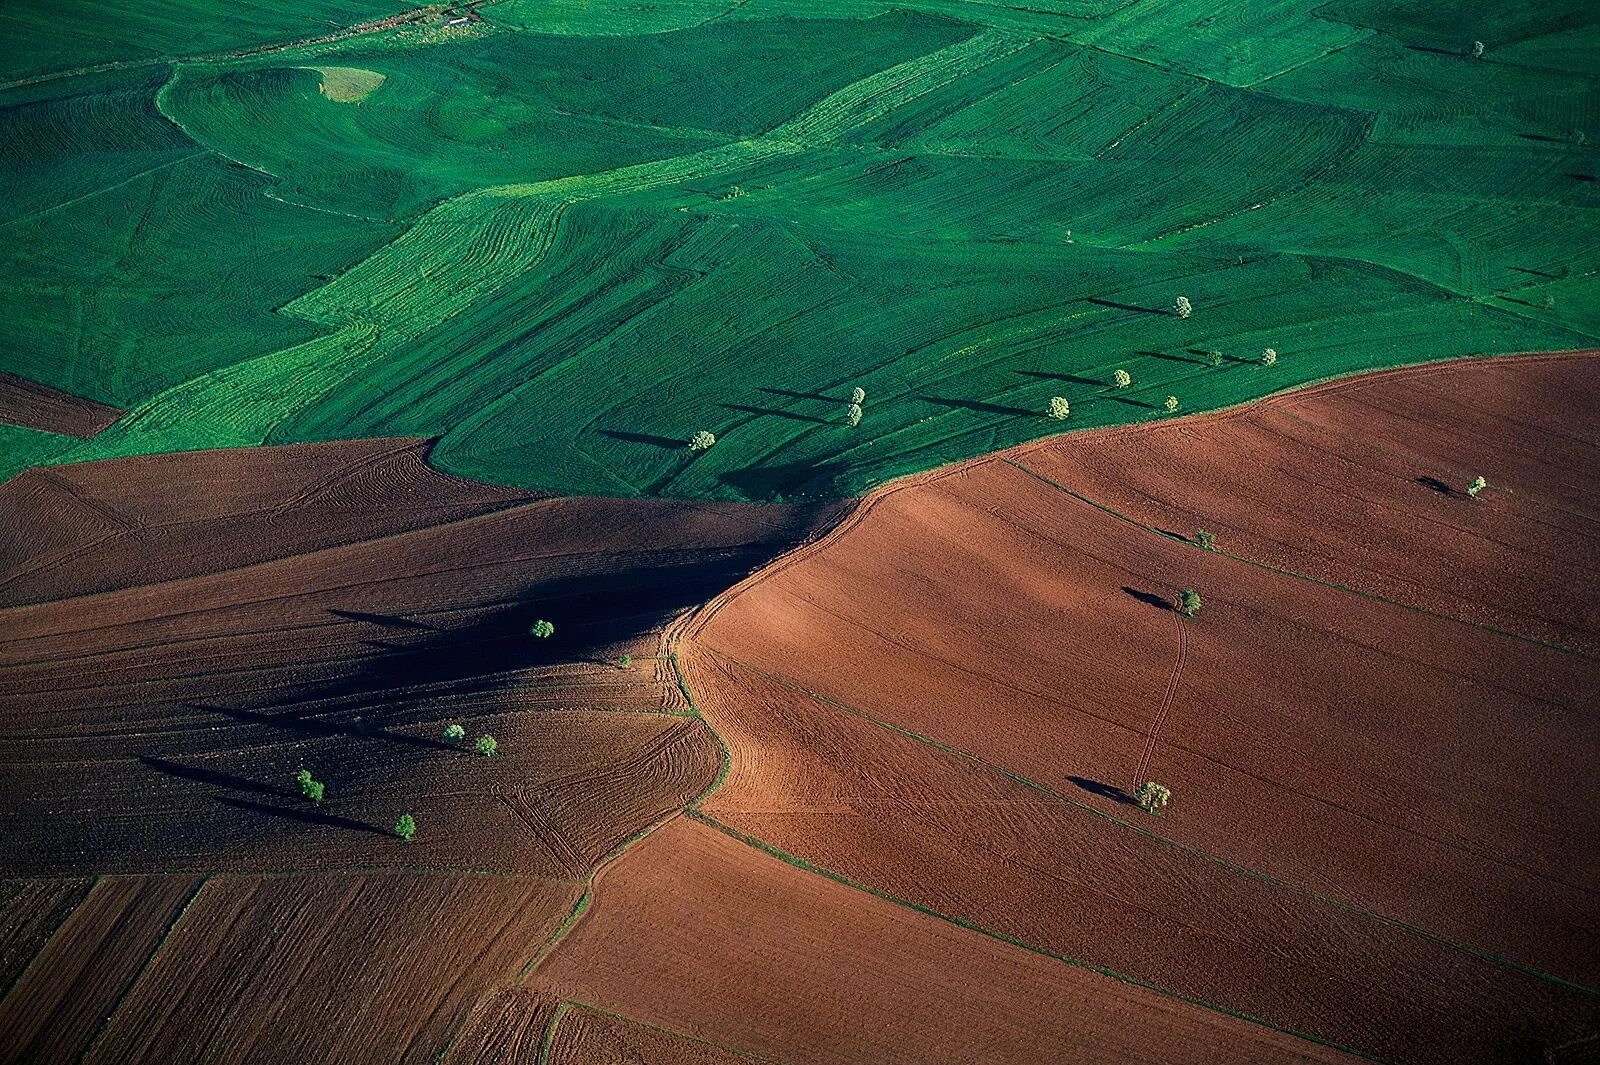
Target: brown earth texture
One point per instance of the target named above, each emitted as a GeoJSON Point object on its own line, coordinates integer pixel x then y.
{"type": "Point", "coordinates": [860, 792]}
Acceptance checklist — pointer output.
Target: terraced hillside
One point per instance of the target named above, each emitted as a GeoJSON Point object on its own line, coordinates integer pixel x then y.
{"type": "Point", "coordinates": [562, 237]}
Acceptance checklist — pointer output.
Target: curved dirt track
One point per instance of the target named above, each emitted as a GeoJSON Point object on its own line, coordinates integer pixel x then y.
{"type": "Point", "coordinates": [182, 633]}
{"type": "Point", "coordinates": [945, 698]}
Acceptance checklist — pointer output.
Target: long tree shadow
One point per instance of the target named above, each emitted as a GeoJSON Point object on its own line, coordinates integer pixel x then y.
{"type": "Point", "coordinates": [777, 412]}
{"type": "Point", "coordinates": [388, 621]}
{"type": "Point", "coordinates": [1129, 402]}
{"type": "Point", "coordinates": [1435, 484]}
{"type": "Point", "coordinates": [666, 442]}
{"type": "Point", "coordinates": [811, 479]}
{"type": "Point", "coordinates": [1070, 378]}
{"type": "Point", "coordinates": [1160, 602]}
{"type": "Point", "coordinates": [215, 778]}
{"type": "Point", "coordinates": [980, 407]}
{"type": "Point", "coordinates": [787, 394]}
{"type": "Point", "coordinates": [1108, 791]}
{"type": "Point", "coordinates": [309, 817]}
{"type": "Point", "coordinates": [1169, 357]}
{"type": "Point", "coordinates": [1160, 311]}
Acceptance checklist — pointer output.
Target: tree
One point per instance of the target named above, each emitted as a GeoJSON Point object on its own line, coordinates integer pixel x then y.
{"type": "Point", "coordinates": [1059, 408]}
{"type": "Point", "coordinates": [858, 396]}
{"type": "Point", "coordinates": [852, 414]}
{"type": "Point", "coordinates": [310, 787]}
{"type": "Point", "coordinates": [1205, 539]}
{"type": "Point", "coordinates": [1269, 357]}
{"type": "Point", "coordinates": [702, 441]}
{"type": "Point", "coordinates": [1477, 49]}
{"type": "Point", "coordinates": [543, 629]}
{"type": "Point", "coordinates": [625, 662]}
{"type": "Point", "coordinates": [405, 827]}
{"type": "Point", "coordinates": [1184, 308]}
{"type": "Point", "coordinates": [454, 733]}
{"type": "Point", "coordinates": [1189, 602]}
{"type": "Point", "coordinates": [487, 745]}
{"type": "Point", "coordinates": [1171, 404]}
{"type": "Point", "coordinates": [1214, 357]}
{"type": "Point", "coordinates": [1152, 797]}
{"type": "Point", "coordinates": [1476, 487]}
{"type": "Point", "coordinates": [1122, 379]}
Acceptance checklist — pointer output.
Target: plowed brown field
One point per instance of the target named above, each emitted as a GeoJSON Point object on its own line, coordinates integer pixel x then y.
{"type": "Point", "coordinates": [949, 696]}
{"type": "Point", "coordinates": [35, 406]}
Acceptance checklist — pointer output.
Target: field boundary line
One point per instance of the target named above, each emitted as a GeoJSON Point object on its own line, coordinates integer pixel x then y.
{"type": "Point", "coordinates": [570, 1004]}
{"type": "Point", "coordinates": [1156, 837]}
{"type": "Point", "coordinates": [960, 922]}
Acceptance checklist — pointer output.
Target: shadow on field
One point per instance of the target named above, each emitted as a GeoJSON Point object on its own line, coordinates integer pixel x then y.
{"type": "Point", "coordinates": [1125, 401]}
{"type": "Point", "coordinates": [1435, 484]}
{"type": "Point", "coordinates": [1160, 602]}
{"type": "Point", "coordinates": [1174, 358]}
{"type": "Point", "coordinates": [979, 407]}
{"type": "Point", "coordinates": [1070, 378]}
{"type": "Point", "coordinates": [778, 412]}
{"type": "Point", "coordinates": [1108, 791]}
{"type": "Point", "coordinates": [790, 480]}
{"type": "Point", "coordinates": [309, 817]}
{"type": "Point", "coordinates": [216, 778]}
{"type": "Point", "coordinates": [646, 438]}
{"type": "Point", "coordinates": [388, 621]}
{"type": "Point", "coordinates": [1162, 311]}
{"type": "Point", "coordinates": [804, 395]}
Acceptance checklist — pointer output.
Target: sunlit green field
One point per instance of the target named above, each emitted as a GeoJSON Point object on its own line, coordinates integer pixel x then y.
{"type": "Point", "coordinates": [565, 237]}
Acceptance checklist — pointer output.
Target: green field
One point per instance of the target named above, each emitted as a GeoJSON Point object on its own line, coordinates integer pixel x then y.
{"type": "Point", "coordinates": [565, 237]}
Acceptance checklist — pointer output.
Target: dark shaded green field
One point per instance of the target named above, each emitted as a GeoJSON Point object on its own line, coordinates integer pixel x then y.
{"type": "Point", "coordinates": [567, 236]}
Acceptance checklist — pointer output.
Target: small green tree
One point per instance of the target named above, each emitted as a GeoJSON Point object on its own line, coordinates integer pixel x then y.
{"type": "Point", "coordinates": [310, 787]}
{"type": "Point", "coordinates": [1205, 539]}
{"type": "Point", "coordinates": [1059, 408]}
{"type": "Point", "coordinates": [1122, 379]}
{"type": "Point", "coordinates": [487, 745]}
{"type": "Point", "coordinates": [454, 733]}
{"type": "Point", "coordinates": [1214, 358]}
{"type": "Point", "coordinates": [405, 827]}
{"type": "Point", "coordinates": [1171, 404]}
{"type": "Point", "coordinates": [858, 396]}
{"type": "Point", "coordinates": [1183, 308]}
{"type": "Point", "coordinates": [625, 662]}
{"type": "Point", "coordinates": [702, 441]}
{"type": "Point", "coordinates": [1153, 797]}
{"type": "Point", "coordinates": [852, 415]}
{"type": "Point", "coordinates": [1476, 487]}
{"type": "Point", "coordinates": [1477, 49]}
{"type": "Point", "coordinates": [1189, 602]}
{"type": "Point", "coordinates": [543, 629]}
{"type": "Point", "coordinates": [1269, 357]}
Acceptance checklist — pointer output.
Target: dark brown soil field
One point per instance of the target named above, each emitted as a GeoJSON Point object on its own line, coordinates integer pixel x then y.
{"type": "Point", "coordinates": [1363, 797]}
{"type": "Point", "coordinates": [35, 406]}
{"type": "Point", "coordinates": [698, 933]}
{"type": "Point", "coordinates": [1366, 483]}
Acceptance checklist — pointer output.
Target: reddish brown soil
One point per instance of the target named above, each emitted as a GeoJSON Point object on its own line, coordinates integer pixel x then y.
{"type": "Point", "coordinates": [180, 708]}
{"type": "Point", "coordinates": [35, 406]}
{"type": "Point", "coordinates": [697, 933]}
{"type": "Point", "coordinates": [1386, 770]}
{"type": "Point", "coordinates": [30, 913]}
{"type": "Point", "coordinates": [336, 968]}
{"type": "Point", "coordinates": [586, 1037]}
{"type": "Point", "coordinates": [1363, 482]}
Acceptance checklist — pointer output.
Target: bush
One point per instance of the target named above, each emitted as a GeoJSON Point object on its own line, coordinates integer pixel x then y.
{"type": "Point", "coordinates": [1477, 49]}
{"type": "Point", "coordinates": [1059, 408]}
{"type": "Point", "coordinates": [1171, 404]}
{"type": "Point", "coordinates": [1189, 602]}
{"type": "Point", "coordinates": [858, 396]}
{"type": "Point", "coordinates": [1476, 487]}
{"type": "Point", "coordinates": [1214, 358]}
{"type": "Point", "coordinates": [1183, 308]}
{"type": "Point", "coordinates": [852, 414]}
{"type": "Point", "coordinates": [625, 662]}
{"type": "Point", "coordinates": [454, 733]}
{"type": "Point", "coordinates": [310, 787]}
{"type": "Point", "coordinates": [542, 629]}
{"type": "Point", "coordinates": [1122, 379]}
{"type": "Point", "coordinates": [1153, 797]}
{"type": "Point", "coordinates": [405, 827]}
{"type": "Point", "coordinates": [702, 441]}
{"type": "Point", "coordinates": [487, 745]}
{"type": "Point", "coordinates": [1205, 539]}
{"type": "Point", "coordinates": [1269, 357]}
